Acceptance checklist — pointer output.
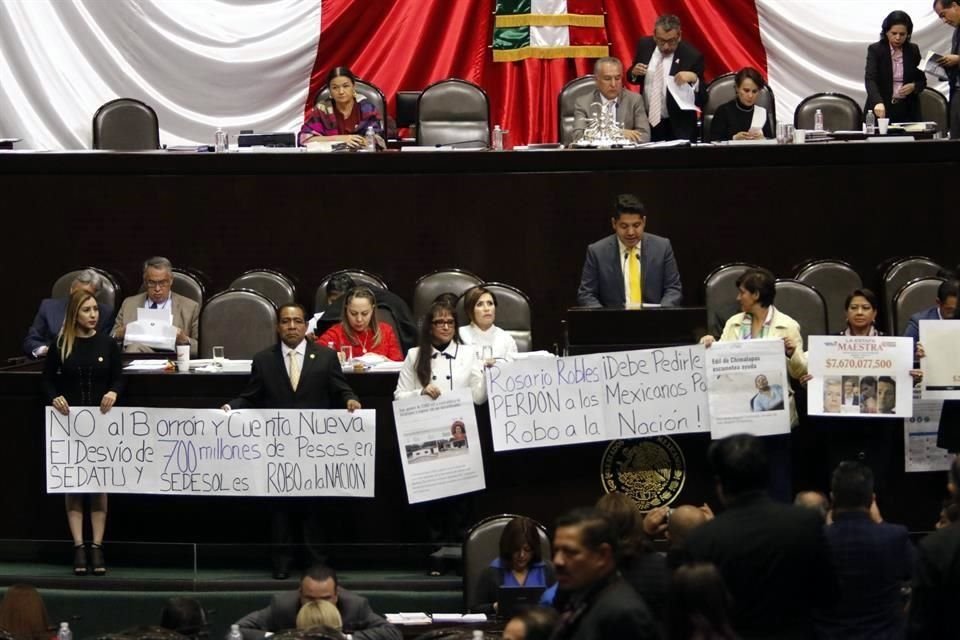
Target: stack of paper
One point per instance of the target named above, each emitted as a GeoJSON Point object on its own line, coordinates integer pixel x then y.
{"type": "Point", "coordinates": [408, 618]}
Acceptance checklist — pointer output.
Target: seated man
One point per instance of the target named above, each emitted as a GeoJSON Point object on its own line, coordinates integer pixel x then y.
{"type": "Point", "coordinates": [318, 583]}
{"type": "Point", "coordinates": [944, 309]}
{"type": "Point", "coordinates": [157, 281]}
{"type": "Point", "coordinates": [627, 106]}
{"type": "Point", "coordinates": [46, 325]}
{"type": "Point", "coordinates": [630, 266]}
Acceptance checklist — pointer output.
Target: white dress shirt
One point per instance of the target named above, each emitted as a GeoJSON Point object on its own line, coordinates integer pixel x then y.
{"type": "Point", "coordinates": [453, 368]}
{"type": "Point", "coordinates": [166, 304]}
{"type": "Point", "coordinates": [501, 342]}
{"type": "Point", "coordinates": [656, 60]}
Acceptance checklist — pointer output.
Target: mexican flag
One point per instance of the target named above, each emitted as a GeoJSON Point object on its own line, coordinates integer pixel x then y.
{"type": "Point", "coordinates": [549, 29]}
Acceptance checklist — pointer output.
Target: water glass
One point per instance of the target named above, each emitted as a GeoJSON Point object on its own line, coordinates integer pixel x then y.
{"type": "Point", "coordinates": [486, 353]}
{"type": "Point", "coordinates": [346, 354]}
{"type": "Point", "coordinates": [218, 357]}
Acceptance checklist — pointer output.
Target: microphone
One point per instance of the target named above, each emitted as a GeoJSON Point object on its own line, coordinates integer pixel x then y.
{"type": "Point", "coordinates": [453, 145]}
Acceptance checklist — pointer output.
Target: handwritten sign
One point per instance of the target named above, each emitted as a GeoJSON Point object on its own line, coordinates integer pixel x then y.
{"type": "Point", "coordinates": [268, 452]}
{"type": "Point", "coordinates": [543, 402]}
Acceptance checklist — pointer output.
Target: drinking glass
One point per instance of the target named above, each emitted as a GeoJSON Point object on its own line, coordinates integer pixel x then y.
{"type": "Point", "coordinates": [346, 354]}
{"type": "Point", "coordinates": [218, 357]}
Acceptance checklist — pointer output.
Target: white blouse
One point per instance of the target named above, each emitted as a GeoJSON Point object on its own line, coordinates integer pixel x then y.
{"type": "Point", "coordinates": [453, 368]}
{"type": "Point", "coordinates": [502, 343]}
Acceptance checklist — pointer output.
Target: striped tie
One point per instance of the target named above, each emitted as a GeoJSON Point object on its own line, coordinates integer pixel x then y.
{"type": "Point", "coordinates": [655, 96]}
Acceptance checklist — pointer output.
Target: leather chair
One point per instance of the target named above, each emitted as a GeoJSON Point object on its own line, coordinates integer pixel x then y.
{"type": "Point", "coordinates": [835, 280]}
{"type": "Point", "coordinates": [840, 112]}
{"type": "Point", "coordinates": [482, 546]}
{"type": "Point", "coordinates": [455, 113]}
{"type": "Point", "coordinates": [126, 124]}
{"type": "Point", "coordinates": [513, 312]}
{"type": "Point", "coordinates": [913, 297]}
{"type": "Point", "coordinates": [934, 107]}
{"type": "Point", "coordinates": [369, 92]}
{"type": "Point", "coordinates": [243, 322]}
{"type": "Point", "coordinates": [110, 292]}
{"type": "Point", "coordinates": [722, 90]}
{"type": "Point", "coordinates": [361, 277]}
{"type": "Point", "coordinates": [566, 101]}
{"type": "Point", "coordinates": [898, 274]}
{"type": "Point", "coordinates": [720, 295]}
{"type": "Point", "coordinates": [277, 287]}
{"type": "Point", "coordinates": [804, 304]}
{"type": "Point", "coordinates": [428, 287]}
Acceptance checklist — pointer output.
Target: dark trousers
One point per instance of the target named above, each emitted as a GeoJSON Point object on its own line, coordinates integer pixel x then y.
{"type": "Point", "coordinates": [955, 114]}
{"type": "Point", "coordinates": [663, 131]}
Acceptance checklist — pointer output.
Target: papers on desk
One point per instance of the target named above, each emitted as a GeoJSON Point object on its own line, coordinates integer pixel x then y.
{"type": "Point", "coordinates": [422, 618]}
{"type": "Point", "coordinates": [931, 65]}
{"type": "Point", "coordinates": [408, 618]}
{"type": "Point", "coordinates": [147, 365]}
{"type": "Point", "coordinates": [532, 354]}
{"type": "Point", "coordinates": [207, 365]}
{"type": "Point", "coordinates": [153, 328]}
{"type": "Point", "coordinates": [460, 617]}
{"type": "Point", "coordinates": [683, 94]}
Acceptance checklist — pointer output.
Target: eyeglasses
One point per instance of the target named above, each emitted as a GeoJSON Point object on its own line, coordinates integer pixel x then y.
{"type": "Point", "coordinates": [156, 284]}
{"type": "Point", "coordinates": [444, 322]}
{"type": "Point", "coordinates": [666, 42]}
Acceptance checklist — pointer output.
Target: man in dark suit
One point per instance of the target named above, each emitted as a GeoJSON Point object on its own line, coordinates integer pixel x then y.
{"type": "Point", "coordinates": [599, 602]}
{"type": "Point", "coordinates": [294, 374]}
{"type": "Point", "coordinates": [949, 12]}
{"type": "Point", "coordinates": [944, 309]}
{"type": "Point", "coordinates": [873, 560]}
{"type": "Point", "coordinates": [773, 557]}
{"type": "Point", "coordinates": [630, 267]}
{"type": "Point", "coordinates": [49, 319]}
{"type": "Point", "coordinates": [627, 106]}
{"type": "Point", "coordinates": [658, 58]}
{"type": "Point", "coordinates": [319, 582]}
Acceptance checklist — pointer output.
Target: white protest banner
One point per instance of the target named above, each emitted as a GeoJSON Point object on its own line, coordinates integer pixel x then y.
{"type": "Point", "coordinates": [266, 452]}
{"type": "Point", "coordinates": [748, 388]}
{"type": "Point", "coordinates": [941, 361]}
{"type": "Point", "coordinates": [860, 376]}
{"type": "Point", "coordinates": [542, 402]}
{"type": "Point", "coordinates": [439, 446]}
{"type": "Point", "coordinates": [920, 450]}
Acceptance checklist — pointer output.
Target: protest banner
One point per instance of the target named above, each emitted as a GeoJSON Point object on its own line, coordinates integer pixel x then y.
{"type": "Point", "coordinates": [748, 388]}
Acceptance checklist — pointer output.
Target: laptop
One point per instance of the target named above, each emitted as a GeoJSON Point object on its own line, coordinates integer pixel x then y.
{"type": "Point", "coordinates": [512, 601]}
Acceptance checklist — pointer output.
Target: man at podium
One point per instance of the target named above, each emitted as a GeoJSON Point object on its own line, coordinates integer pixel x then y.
{"type": "Point", "coordinates": [630, 268]}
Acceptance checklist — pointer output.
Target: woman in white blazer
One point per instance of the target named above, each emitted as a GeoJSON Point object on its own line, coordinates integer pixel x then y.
{"type": "Point", "coordinates": [480, 305]}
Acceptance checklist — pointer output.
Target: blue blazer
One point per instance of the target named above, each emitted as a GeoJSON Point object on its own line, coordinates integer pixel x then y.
{"type": "Point", "coordinates": [49, 319]}
{"type": "Point", "coordinates": [601, 284]}
{"type": "Point", "coordinates": [913, 326]}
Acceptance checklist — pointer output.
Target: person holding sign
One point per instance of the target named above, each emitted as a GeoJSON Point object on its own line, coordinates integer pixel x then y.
{"type": "Point", "coordinates": [83, 369]}
{"type": "Point", "coordinates": [480, 306]}
{"type": "Point", "coordinates": [742, 118]}
{"type": "Point", "coordinates": [359, 328]}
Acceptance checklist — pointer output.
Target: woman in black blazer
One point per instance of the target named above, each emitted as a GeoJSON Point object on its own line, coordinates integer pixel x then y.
{"type": "Point", "coordinates": [902, 105]}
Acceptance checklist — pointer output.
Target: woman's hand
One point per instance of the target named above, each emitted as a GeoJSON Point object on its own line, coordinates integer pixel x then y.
{"type": "Point", "coordinates": [880, 110]}
{"type": "Point", "coordinates": [431, 390]}
{"type": "Point", "coordinates": [707, 340]}
{"type": "Point", "coordinates": [108, 400]}
{"type": "Point", "coordinates": [805, 378]}
{"type": "Point", "coordinates": [905, 90]}
{"type": "Point", "coordinates": [60, 404]}
{"type": "Point", "coordinates": [917, 375]}
{"type": "Point", "coordinates": [789, 346]}
{"type": "Point", "coordinates": [748, 135]}
{"type": "Point", "coordinates": [356, 142]}
{"type": "Point", "coordinates": [919, 353]}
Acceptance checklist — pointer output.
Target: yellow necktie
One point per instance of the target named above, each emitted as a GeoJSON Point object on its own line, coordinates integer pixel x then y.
{"type": "Point", "coordinates": [294, 370]}
{"type": "Point", "coordinates": [633, 266]}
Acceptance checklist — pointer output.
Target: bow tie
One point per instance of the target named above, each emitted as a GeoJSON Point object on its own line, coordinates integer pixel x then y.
{"type": "Point", "coordinates": [441, 353]}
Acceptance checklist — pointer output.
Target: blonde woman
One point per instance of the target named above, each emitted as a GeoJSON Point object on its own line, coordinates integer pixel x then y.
{"type": "Point", "coordinates": [359, 328]}
{"type": "Point", "coordinates": [83, 369]}
{"type": "Point", "coordinates": [319, 613]}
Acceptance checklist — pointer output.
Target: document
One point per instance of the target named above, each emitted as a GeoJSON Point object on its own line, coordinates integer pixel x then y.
{"type": "Point", "coordinates": [747, 387]}
{"type": "Point", "coordinates": [920, 450]}
{"type": "Point", "coordinates": [682, 93]}
{"type": "Point", "coordinates": [931, 65]}
{"type": "Point", "coordinates": [941, 365]}
{"type": "Point", "coordinates": [153, 328]}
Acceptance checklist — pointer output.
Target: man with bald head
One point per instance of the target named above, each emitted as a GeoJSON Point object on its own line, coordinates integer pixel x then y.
{"type": "Point", "coordinates": [813, 500]}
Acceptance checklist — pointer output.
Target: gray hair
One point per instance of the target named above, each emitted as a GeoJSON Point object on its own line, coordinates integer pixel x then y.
{"type": "Point", "coordinates": [667, 22]}
{"type": "Point", "coordinates": [88, 277]}
{"type": "Point", "coordinates": [157, 262]}
{"type": "Point", "coordinates": [606, 60]}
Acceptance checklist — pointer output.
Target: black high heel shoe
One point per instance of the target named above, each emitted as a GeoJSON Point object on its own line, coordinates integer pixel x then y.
{"type": "Point", "coordinates": [79, 560]}
{"type": "Point", "coordinates": [96, 560]}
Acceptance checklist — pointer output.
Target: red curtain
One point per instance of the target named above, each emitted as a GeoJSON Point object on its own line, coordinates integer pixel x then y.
{"type": "Point", "coordinates": [409, 44]}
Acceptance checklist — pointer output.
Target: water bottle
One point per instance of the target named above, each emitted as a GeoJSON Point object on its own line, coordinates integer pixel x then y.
{"type": "Point", "coordinates": [371, 138]}
{"type": "Point", "coordinates": [478, 634]}
{"type": "Point", "coordinates": [64, 633]}
{"type": "Point", "coordinates": [818, 120]}
{"type": "Point", "coordinates": [871, 123]}
{"type": "Point", "coordinates": [235, 632]}
{"type": "Point", "coordinates": [497, 146]}
{"type": "Point", "coordinates": [220, 143]}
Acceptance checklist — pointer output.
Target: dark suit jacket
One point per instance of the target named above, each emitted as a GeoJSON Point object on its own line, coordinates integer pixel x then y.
{"type": "Point", "coordinates": [872, 561]}
{"type": "Point", "coordinates": [358, 618]}
{"type": "Point", "coordinates": [913, 325]}
{"type": "Point", "coordinates": [936, 586]}
{"type": "Point", "coordinates": [775, 562]}
{"type": "Point", "coordinates": [322, 384]}
{"type": "Point", "coordinates": [601, 284]}
{"type": "Point", "coordinates": [611, 610]}
{"type": "Point", "coordinates": [685, 58]}
{"type": "Point", "coordinates": [49, 319]}
{"type": "Point", "coordinates": [878, 77]}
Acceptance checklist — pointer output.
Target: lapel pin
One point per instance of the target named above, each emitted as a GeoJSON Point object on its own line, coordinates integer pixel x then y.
{"type": "Point", "coordinates": [100, 359]}
{"type": "Point", "coordinates": [312, 356]}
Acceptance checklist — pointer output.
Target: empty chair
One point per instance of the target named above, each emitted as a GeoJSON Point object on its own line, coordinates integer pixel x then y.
{"type": "Point", "coordinates": [804, 304]}
{"type": "Point", "coordinates": [513, 312]}
{"type": "Point", "coordinates": [935, 108]}
{"type": "Point", "coordinates": [722, 90]}
{"type": "Point", "coordinates": [109, 292]}
{"type": "Point", "coordinates": [898, 274]}
{"type": "Point", "coordinates": [455, 113]}
{"type": "Point", "coordinates": [566, 101]}
{"type": "Point", "coordinates": [835, 280]}
{"type": "Point", "coordinates": [840, 112]}
{"type": "Point", "coordinates": [272, 284]}
{"type": "Point", "coordinates": [243, 322]}
{"type": "Point", "coordinates": [482, 545]}
{"type": "Point", "coordinates": [369, 92]}
{"type": "Point", "coordinates": [126, 124]}
{"type": "Point", "coordinates": [428, 287]}
{"type": "Point", "coordinates": [360, 277]}
{"type": "Point", "coordinates": [915, 296]}
{"type": "Point", "coordinates": [720, 295]}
